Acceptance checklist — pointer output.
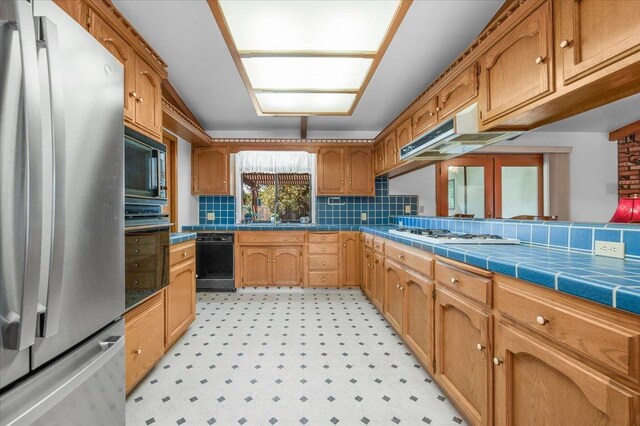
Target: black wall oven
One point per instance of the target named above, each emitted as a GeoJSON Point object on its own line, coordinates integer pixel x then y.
{"type": "Point", "coordinates": [146, 262]}
{"type": "Point", "coordinates": [145, 170]}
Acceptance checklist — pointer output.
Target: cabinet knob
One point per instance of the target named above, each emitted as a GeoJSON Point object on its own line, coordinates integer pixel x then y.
{"type": "Point", "coordinates": [344, 245]}
{"type": "Point", "coordinates": [138, 351]}
{"type": "Point", "coordinates": [401, 257]}
{"type": "Point", "coordinates": [139, 99]}
{"type": "Point", "coordinates": [136, 281]}
{"type": "Point", "coordinates": [349, 182]}
{"type": "Point", "coordinates": [438, 109]}
{"type": "Point", "coordinates": [322, 238]}
{"type": "Point", "coordinates": [135, 95]}
{"type": "Point", "coordinates": [497, 361]}
{"type": "Point", "coordinates": [565, 43]}
{"type": "Point", "coordinates": [323, 263]}
{"type": "Point", "coordinates": [137, 251]}
{"type": "Point", "coordinates": [541, 320]}
{"type": "Point", "coordinates": [401, 288]}
{"type": "Point", "coordinates": [479, 346]}
{"type": "Point", "coordinates": [431, 114]}
{"type": "Point", "coordinates": [135, 265]}
{"type": "Point", "coordinates": [342, 183]}
{"type": "Point", "coordinates": [323, 250]}
{"type": "Point", "coordinates": [224, 181]}
{"type": "Point", "coordinates": [324, 279]}
{"type": "Point", "coordinates": [196, 275]}
{"type": "Point", "coordinates": [539, 60]}
{"type": "Point", "coordinates": [184, 254]}
{"type": "Point", "coordinates": [397, 285]}
{"type": "Point", "coordinates": [454, 280]}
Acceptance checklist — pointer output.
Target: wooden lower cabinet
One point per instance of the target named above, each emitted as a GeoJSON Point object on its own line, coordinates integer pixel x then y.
{"type": "Point", "coordinates": [287, 266]}
{"type": "Point", "coordinates": [144, 338]}
{"type": "Point", "coordinates": [377, 281]}
{"type": "Point", "coordinates": [256, 266]}
{"type": "Point", "coordinates": [265, 265]}
{"type": "Point", "coordinates": [180, 300]}
{"type": "Point", "coordinates": [418, 317]}
{"type": "Point", "coordinates": [537, 384]}
{"type": "Point", "coordinates": [393, 294]}
{"type": "Point", "coordinates": [368, 272]}
{"type": "Point", "coordinates": [463, 355]}
{"type": "Point", "coordinates": [350, 264]}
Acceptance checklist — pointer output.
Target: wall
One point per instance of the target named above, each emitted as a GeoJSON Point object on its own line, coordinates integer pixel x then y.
{"type": "Point", "coordinates": [593, 174]}
{"type": "Point", "coordinates": [421, 183]}
{"type": "Point", "coordinates": [187, 203]}
{"type": "Point", "coordinates": [629, 166]}
{"type": "Point", "coordinates": [347, 210]}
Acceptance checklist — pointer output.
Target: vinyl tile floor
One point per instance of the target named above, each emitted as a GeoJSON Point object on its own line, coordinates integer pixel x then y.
{"type": "Point", "coordinates": [289, 356]}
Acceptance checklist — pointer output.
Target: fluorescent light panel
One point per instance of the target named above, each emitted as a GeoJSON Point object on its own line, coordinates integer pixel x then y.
{"type": "Point", "coordinates": [307, 73]}
{"type": "Point", "coordinates": [305, 103]}
{"type": "Point", "coordinates": [310, 25]}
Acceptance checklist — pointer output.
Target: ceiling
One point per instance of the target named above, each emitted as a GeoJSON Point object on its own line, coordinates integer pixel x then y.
{"type": "Point", "coordinates": [185, 34]}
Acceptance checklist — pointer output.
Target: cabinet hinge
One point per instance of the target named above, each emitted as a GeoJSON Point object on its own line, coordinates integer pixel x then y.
{"type": "Point", "coordinates": [433, 294]}
{"type": "Point", "coordinates": [434, 365]}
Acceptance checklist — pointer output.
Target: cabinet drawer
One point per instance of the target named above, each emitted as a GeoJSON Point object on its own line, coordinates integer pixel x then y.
{"type": "Point", "coordinates": [368, 240]}
{"type": "Point", "coordinates": [323, 263]}
{"type": "Point", "coordinates": [270, 237]}
{"type": "Point", "coordinates": [141, 239]}
{"type": "Point", "coordinates": [144, 339]}
{"type": "Point", "coordinates": [378, 245]}
{"type": "Point", "coordinates": [181, 252]}
{"type": "Point", "coordinates": [471, 285]}
{"type": "Point", "coordinates": [418, 260]}
{"type": "Point", "coordinates": [317, 237]}
{"type": "Point", "coordinates": [141, 280]}
{"type": "Point", "coordinates": [324, 279]}
{"type": "Point", "coordinates": [601, 337]}
{"type": "Point", "coordinates": [324, 248]}
{"type": "Point", "coordinates": [133, 250]}
{"type": "Point", "coordinates": [143, 264]}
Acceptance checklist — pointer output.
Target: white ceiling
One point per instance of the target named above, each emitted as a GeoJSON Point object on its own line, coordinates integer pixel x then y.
{"type": "Point", "coordinates": [184, 33]}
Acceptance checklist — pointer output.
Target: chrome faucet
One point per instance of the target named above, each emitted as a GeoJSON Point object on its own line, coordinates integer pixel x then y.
{"type": "Point", "coordinates": [276, 207]}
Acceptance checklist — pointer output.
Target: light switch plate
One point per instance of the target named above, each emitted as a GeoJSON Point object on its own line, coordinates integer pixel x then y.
{"type": "Point", "coordinates": [363, 216]}
{"type": "Point", "coordinates": [211, 216]}
{"type": "Point", "coordinates": [609, 249]}
{"type": "Point", "coordinates": [407, 208]}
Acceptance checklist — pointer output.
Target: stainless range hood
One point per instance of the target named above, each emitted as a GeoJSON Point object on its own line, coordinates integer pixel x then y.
{"type": "Point", "coordinates": [456, 136]}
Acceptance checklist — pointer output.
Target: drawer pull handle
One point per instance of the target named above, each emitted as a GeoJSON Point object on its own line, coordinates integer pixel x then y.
{"type": "Point", "coordinates": [137, 251]}
{"type": "Point", "coordinates": [454, 280]}
{"type": "Point", "coordinates": [135, 95]}
{"type": "Point", "coordinates": [324, 279]}
{"type": "Point", "coordinates": [138, 351]}
{"type": "Point", "coordinates": [541, 320]}
{"type": "Point", "coordinates": [135, 265]}
{"type": "Point", "coordinates": [323, 263]}
{"type": "Point", "coordinates": [565, 43]}
{"type": "Point", "coordinates": [497, 361]}
{"type": "Point", "coordinates": [479, 346]}
{"type": "Point", "coordinates": [539, 60]}
{"type": "Point", "coordinates": [184, 254]}
{"type": "Point", "coordinates": [401, 288]}
{"type": "Point", "coordinates": [397, 285]}
{"type": "Point", "coordinates": [137, 240]}
{"type": "Point", "coordinates": [323, 250]}
{"type": "Point", "coordinates": [344, 245]}
{"type": "Point", "coordinates": [401, 257]}
{"type": "Point", "coordinates": [322, 238]}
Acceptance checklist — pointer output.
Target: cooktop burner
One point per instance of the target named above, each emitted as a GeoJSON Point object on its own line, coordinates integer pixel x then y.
{"type": "Point", "coordinates": [444, 236]}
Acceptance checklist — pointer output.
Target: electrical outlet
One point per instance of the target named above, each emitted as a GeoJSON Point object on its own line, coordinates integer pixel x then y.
{"type": "Point", "coordinates": [609, 249]}
{"type": "Point", "coordinates": [211, 216]}
{"type": "Point", "coordinates": [363, 216]}
{"type": "Point", "coordinates": [421, 210]}
{"type": "Point", "coordinates": [407, 208]}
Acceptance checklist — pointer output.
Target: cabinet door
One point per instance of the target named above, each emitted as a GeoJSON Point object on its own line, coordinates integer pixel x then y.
{"type": "Point", "coordinates": [350, 259]}
{"type": "Point", "coordinates": [394, 294]}
{"type": "Point", "coordinates": [377, 281]}
{"type": "Point", "coordinates": [119, 48]}
{"type": "Point", "coordinates": [403, 135]}
{"type": "Point", "coordinates": [210, 171]}
{"type": "Point", "coordinates": [331, 171]}
{"type": "Point", "coordinates": [593, 34]}
{"type": "Point", "coordinates": [255, 266]}
{"type": "Point", "coordinates": [462, 89]}
{"type": "Point", "coordinates": [180, 301]}
{"type": "Point", "coordinates": [378, 151]}
{"type": "Point", "coordinates": [463, 362]}
{"type": "Point", "coordinates": [517, 70]}
{"type": "Point", "coordinates": [390, 151]}
{"type": "Point", "coordinates": [418, 317]}
{"type": "Point", "coordinates": [287, 266]}
{"type": "Point", "coordinates": [424, 117]}
{"type": "Point", "coordinates": [359, 170]}
{"type": "Point", "coordinates": [148, 105]}
{"type": "Point", "coordinates": [78, 10]}
{"type": "Point", "coordinates": [536, 384]}
{"type": "Point", "coordinates": [368, 273]}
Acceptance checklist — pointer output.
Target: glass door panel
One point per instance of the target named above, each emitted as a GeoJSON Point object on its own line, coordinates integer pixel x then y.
{"type": "Point", "coordinates": [465, 190]}
{"type": "Point", "coordinates": [519, 191]}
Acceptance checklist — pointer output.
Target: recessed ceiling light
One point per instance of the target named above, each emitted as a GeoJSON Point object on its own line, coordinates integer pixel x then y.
{"type": "Point", "coordinates": [312, 57]}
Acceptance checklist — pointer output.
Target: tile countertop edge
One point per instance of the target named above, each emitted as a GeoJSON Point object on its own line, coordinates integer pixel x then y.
{"type": "Point", "coordinates": [599, 289]}
{"type": "Point", "coordinates": [181, 237]}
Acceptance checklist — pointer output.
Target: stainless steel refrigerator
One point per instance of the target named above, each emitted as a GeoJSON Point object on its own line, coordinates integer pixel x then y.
{"type": "Point", "coordinates": [61, 221]}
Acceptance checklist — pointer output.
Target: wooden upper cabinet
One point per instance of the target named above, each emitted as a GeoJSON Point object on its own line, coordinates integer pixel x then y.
{"type": "Point", "coordinates": [463, 355]}
{"type": "Point", "coordinates": [210, 170]}
{"type": "Point", "coordinates": [256, 266]}
{"type": "Point", "coordinates": [518, 69]}
{"type": "Point", "coordinates": [121, 50]}
{"type": "Point", "coordinates": [536, 384]}
{"type": "Point", "coordinates": [148, 102]}
{"type": "Point", "coordinates": [331, 171]}
{"type": "Point", "coordinates": [458, 92]}
{"type": "Point", "coordinates": [404, 135]}
{"type": "Point", "coordinates": [593, 34]}
{"type": "Point", "coordinates": [424, 117]}
{"type": "Point", "coordinates": [350, 264]}
{"type": "Point", "coordinates": [390, 151]}
{"type": "Point", "coordinates": [359, 170]}
{"type": "Point", "coordinates": [378, 156]}
{"type": "Point", "coordinates": [78, 10]}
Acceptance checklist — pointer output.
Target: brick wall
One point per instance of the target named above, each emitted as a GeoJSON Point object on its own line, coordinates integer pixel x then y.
{"type": "Point", "coordinates": [629, 166]}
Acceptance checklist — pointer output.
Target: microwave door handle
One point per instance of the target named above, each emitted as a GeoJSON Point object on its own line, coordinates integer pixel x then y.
{"type": "Point", "coordinates": [154, 172]}
{"type": "Point", "coordinates": [19, 328]}
{"type": "Point", "coordinates": [49, 326]}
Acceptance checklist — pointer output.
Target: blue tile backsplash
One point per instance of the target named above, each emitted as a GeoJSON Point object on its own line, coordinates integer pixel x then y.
{"type": "Point", "coordinates": [568, 236]}
{"type": "Point", "coordinates": [329, 210]}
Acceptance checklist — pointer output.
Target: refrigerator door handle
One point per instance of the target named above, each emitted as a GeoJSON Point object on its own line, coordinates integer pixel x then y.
{"type": "Point", "coordinates": [53, 303]}
{"type": "Point", "coordinates": [19, 329]}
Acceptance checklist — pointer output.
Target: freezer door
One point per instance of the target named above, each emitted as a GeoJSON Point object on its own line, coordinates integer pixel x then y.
{"type": "Point", "coordinates": [85, 286]}
{"type": "Point", "coordinates": [21, 188]}
{"type": "Point", "coordinates": [85, 387]}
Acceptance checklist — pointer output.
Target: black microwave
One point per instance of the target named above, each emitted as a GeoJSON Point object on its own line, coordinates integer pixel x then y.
{"type": "Point", "coordinates": [145, 179]}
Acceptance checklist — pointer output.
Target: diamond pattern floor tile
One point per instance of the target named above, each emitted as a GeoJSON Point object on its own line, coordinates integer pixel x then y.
{"type": "Point", "coordinates": [289, 356]}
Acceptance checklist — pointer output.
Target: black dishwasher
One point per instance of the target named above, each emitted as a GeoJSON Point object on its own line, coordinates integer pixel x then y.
{"type": "Point", "coordinates": [214, 262]}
